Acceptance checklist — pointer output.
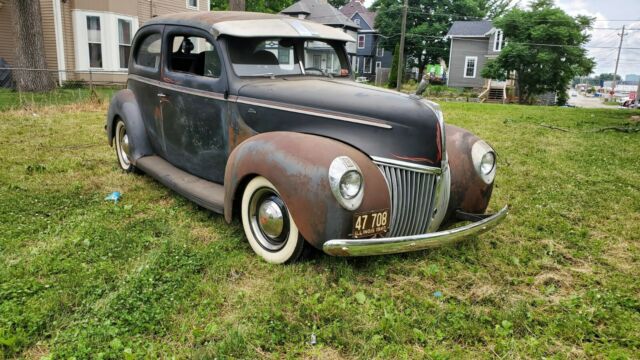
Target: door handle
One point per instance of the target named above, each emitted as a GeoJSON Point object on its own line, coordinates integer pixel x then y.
{"type": "Point", "coordinates": [161, 95]}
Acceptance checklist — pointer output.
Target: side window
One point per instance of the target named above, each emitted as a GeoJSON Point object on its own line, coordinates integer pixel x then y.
{"type": "Point", "coordinates": [194, 55]}
{"type": "Point", "coordinates": [148, 53]}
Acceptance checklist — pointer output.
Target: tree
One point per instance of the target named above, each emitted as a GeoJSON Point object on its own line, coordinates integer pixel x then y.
{"type": "Point", "coordinates": [266, 6]}
{"type": "Point", "coordinates": [609, 77]}
{"type": "Point", "coordinates": [30, 48]}
{"type": "Point", "coordinates": [428, 21]}
{"type": "Point", "coordinates": [338, 3]}
{"type": "Point", "coordinates": [393, 75]}
{"type": "Point", "coordinates": [495, 8]}
{"type": "Point", "coordinates": [542, 68]}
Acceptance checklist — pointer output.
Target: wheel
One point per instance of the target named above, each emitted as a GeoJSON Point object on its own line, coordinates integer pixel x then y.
{"type": "Point", "coordinates": [122, 147]}
{"type": "Point", "coordinates": [268, 224]}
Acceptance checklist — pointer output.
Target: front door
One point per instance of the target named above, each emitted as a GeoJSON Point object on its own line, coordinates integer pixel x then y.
{"type": "Point", "coordinates": [192, 98]}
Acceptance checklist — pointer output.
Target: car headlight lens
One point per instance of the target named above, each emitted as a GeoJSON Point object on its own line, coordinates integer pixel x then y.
{"type": "Point", "coordinates": [487, 163]}
{"type": "Point", "coordinates": [484, 161]}
{"type": "Point", "coordinates": [350, 184]}
{"type": "Point", "coordinates": [346, 181]}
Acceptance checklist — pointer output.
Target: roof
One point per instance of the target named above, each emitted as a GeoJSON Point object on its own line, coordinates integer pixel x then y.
{"type": "Point", "coordinates": [470, 28]}
{"type": "Point", "coordinates": [250, 24]}
{"type": "Point", "coordinates": [320, 11]}
{"type": "Point", "coordinates": [356, 6]}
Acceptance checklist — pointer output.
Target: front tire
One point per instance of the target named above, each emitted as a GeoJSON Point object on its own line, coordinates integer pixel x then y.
{"type": "Point", "coordinates": [268, 224]}
{"type": "Point", "coordinates": [123, 147]}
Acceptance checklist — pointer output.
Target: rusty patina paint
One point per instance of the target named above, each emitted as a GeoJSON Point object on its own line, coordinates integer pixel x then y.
{"type": "Point", "coordinates": [468, 192]}
{"type": "Point", "coordinates": [298, 166]}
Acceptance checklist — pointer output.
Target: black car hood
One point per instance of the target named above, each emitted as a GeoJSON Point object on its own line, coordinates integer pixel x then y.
{"type": "Point", "coordinates": [385, 123]}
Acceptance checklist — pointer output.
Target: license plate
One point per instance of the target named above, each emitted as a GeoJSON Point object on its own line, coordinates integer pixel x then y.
{"type": "Point", "coordinates": [370, 223]}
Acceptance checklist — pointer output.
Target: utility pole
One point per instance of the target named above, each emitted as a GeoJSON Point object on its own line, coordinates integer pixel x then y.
{"type": "Point", "coordinates": [401, 54]}
{"type": "Point", "coordinates": [615, 72]}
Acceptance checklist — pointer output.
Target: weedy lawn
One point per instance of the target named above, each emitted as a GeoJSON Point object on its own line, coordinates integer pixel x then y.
{"type": "Point", "coordinates": [155, 275]}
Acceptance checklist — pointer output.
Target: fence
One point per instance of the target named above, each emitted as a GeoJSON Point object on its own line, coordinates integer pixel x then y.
{"type": "Point", "coordinates": [74, 78]}
{"type": "Point", "coordinates": [73, 86]}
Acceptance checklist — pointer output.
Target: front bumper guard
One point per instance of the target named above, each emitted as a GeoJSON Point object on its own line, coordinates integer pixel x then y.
{"type": "Point", "coordinates": [381, 246]}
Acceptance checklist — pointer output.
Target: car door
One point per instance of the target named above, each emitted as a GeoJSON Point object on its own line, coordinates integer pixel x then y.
{"type": "Point", "coordinates": [193, 102]}
{"type": "Point", "coordinates": [144, 76]}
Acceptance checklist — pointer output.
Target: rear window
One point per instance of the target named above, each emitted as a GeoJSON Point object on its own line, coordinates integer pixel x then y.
{"type": "Point", "coordinates": [148, 53]}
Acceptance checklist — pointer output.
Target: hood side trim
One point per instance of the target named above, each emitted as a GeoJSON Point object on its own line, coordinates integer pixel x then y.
{"type": "Point", "coordinates": [314, 112]}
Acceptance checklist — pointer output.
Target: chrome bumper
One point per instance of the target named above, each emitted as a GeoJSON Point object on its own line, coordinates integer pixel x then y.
{"type": "Point", "coordinates": [365, 247]}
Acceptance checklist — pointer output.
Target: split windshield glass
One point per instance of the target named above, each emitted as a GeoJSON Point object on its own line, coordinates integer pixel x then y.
{"type": "Point", "coordinates": [280, 56]}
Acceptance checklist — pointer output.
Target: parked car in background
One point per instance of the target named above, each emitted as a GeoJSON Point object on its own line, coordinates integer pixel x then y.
{"type": "Point", "coordinates": [258, 117]}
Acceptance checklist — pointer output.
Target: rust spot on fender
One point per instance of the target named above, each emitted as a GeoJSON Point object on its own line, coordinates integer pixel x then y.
{"type": "Point", "coordinates": [298, 166]}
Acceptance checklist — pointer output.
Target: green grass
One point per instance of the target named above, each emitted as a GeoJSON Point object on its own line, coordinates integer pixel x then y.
{"type": "Point", "coordinates": [11, 100]}
{"type": "Point", "coordinates": [157, 276]}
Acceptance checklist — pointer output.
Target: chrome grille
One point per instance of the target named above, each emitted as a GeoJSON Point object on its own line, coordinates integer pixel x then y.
{"type": "Point", "coordinates": [412, 193]}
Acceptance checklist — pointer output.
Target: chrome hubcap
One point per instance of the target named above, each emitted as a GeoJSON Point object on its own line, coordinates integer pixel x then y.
{"type": "Point", "coordinates": [123, 142]}
{"type": "Point", "coordinates": [269, 219]}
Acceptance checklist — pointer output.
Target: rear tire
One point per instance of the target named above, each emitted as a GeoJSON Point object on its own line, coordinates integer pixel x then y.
{"type": "Point", "coordinates": [268, 224]}
{"type": "Point", "coordinates": [123, 147]}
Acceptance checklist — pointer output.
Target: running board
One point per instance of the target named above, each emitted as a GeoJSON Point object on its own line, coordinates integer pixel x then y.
{"type": "Point", "coordinates": [204, 193]}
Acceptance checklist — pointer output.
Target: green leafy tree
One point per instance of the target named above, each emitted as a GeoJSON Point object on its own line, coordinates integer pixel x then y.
{"type": "Point", "coordinates": [266, 6]}
{"type": "Point", "coordinates": [608, 77]}
{"type": "Point", "coordinates": [542, 68]}
{"type": "Point", "coordinates": [428, 21]}
{"type": "Point", "coordinates": [338, 3]}
{"type": "Point", "coordinates": [393, 75]}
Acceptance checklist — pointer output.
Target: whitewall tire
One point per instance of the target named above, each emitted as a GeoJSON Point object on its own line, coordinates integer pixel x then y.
{"type": "Point", "coordinates": [268, 224]}
{"type": "Point", "coordinates": [123, 147]}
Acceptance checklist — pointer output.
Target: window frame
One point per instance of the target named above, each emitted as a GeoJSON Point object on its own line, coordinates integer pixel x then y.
{"type": "Point", "coordinates": [89, 42]}
{"type": "Point", "coordinates": [498, 41]}
{"type": "Point", "coordinates": [465, 67]}
{"type": "Point", "coordinates": [118, 44]}
{"type": "Point", "coordinates": [364, 65]}
{"type": "Point", "coordinates": [197, 82]}
{"type": "Point", "coordinates": [357, 67]}
{"type": "Point", "coordinates": [193, 7]}
{"type": "Point", "coordinates": [379, 51]}
{"type": "Point", "coordinates": [364, 41]}
{"type": "Point", "coordinates": [356, 21]}
{"type": "Point", "coordinates": [378, 65]}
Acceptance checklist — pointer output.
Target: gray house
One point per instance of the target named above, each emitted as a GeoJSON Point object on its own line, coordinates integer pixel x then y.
{"type": "Point", "coordinates": [369, 57]}
{"type": "Point", "coordinates": [473, 43]}
{"type": "Point", "coordinates": [322, 12]}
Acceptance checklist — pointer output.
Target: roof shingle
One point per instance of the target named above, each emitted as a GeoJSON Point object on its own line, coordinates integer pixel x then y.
{"type": "Point", "coordinates": [470, 28]}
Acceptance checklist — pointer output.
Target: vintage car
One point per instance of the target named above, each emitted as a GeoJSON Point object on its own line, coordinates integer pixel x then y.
{"type": "Point", "coordinates": [257, 116]}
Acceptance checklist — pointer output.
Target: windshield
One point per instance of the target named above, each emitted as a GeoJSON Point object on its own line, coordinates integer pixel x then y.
{"type": "Point", "coordinates": [277, 57]}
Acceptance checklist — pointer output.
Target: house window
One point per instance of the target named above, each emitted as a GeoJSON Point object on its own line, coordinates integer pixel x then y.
{"type": "Point", "coordinates": [357, 21]}
{"type": "Point", "coordinates": [94, 38]}
{"type": "Point", "coordinates": [367, 65]}
{"type": "Point", "coordinates": [498, 41]}
{"type": "Point", "coordinates": [124, 42]}
{"type": "Point", "coordinates": [379, 51]}
{"type": "Point", "coordinates": [378, 65]}
{"type": "Point", "coordinates": [360, 41]}
{"type": "Point", "coordinates": [355, 64]}
{"type": "Point", "coordinates": [470, 65]}
{"type": "Point", "coordinates": [192, 4]}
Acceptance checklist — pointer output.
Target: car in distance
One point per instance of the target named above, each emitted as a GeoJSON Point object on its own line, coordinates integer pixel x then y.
{"type": "Point", "coordinates": [257, 116]}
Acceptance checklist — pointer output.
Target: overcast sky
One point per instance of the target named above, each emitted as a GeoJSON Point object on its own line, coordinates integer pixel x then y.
{"type": "Point", "coordinates": [607, 14]}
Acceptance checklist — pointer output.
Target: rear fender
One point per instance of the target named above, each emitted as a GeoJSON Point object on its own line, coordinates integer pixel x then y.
{"type": "Point", "coordinates": [125, 106]}
{"type": "Point", "coordinates": [298, 166]}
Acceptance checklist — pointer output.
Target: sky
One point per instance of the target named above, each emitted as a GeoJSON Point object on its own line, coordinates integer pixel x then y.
{"type": "Point", "coordinates": [606, 29]}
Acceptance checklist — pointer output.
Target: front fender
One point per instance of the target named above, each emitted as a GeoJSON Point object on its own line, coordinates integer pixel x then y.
{"type": "Point", "coordinates": [125, 106]}
{"type": "Point", "coordinates": [298, 166]}
{"type": "Point", "coordinates": [469, 192]}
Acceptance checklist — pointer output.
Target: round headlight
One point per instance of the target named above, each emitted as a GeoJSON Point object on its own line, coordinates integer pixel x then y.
{"type": "Point", "coordinates": [347, 182]}
{"type": "Point", "coordinates": [350, 184]}
{"type": "Point", "coordinates": [487, 163]}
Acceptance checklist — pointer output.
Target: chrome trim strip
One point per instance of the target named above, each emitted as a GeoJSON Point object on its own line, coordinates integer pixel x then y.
{"type": "Point", "coordinates": [310, 111]}
{"type": "Point", "coordinates": [180, 88]}
{"type": "Point", "coordinates": [366, 247]}
{"type": "Point", "coordinates": [407, 165]}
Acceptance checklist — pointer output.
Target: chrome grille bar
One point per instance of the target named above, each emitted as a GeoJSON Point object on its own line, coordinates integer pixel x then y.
{"type": "Point", "coordinates": [412, 191]}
